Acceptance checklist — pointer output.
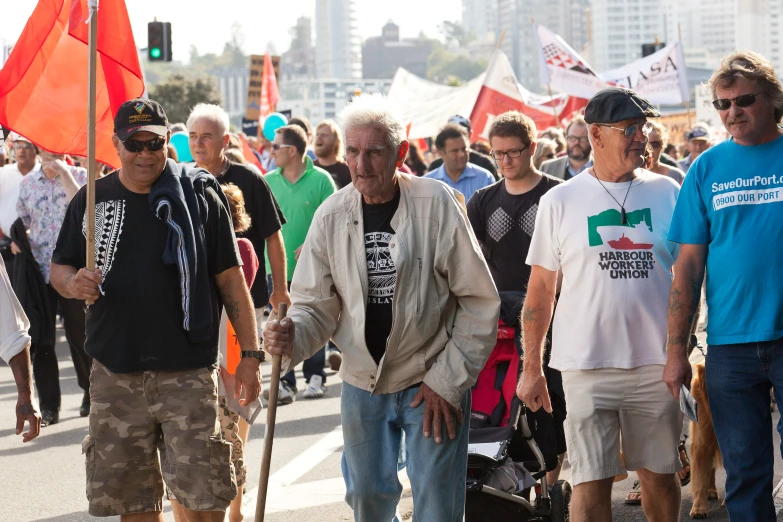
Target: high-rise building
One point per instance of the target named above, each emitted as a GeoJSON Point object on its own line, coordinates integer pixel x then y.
{"type": "Point", "coordinates": [577, 24]}
{"type": "Point", "coordinates": [517, 18]}
{"type": "Point", "coordinates": [338, 49]}
{"type": "Point", "coordinates": [480, 17]}
{"type": "Point", "coordinates": [620, 27]}
{"type": "Point", "coordinates": [299, 61]}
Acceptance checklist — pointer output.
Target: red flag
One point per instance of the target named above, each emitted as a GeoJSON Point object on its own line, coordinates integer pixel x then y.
{"type": "Point", "coordinates": [43, 85]}
{"type": "Point", "coordinates": [247, 152]}
{"type": "Point", "coordinates": [269, 92]}
{"type": "Point", "coordinates": [500, 94]}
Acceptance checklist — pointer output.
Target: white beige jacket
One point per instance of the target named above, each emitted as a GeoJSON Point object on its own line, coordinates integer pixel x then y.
{"type": "Point", "coordinates": [445, 307]}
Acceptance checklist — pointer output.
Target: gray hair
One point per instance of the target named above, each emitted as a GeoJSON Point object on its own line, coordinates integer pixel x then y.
{"type": "Point", "coordinates": [368, 110]}
{"type": "Point", "coordinates": [211, 112]}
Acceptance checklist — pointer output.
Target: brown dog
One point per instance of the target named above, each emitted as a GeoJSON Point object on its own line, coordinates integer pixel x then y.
{"type": "Point", "coordinates": [705, 454]}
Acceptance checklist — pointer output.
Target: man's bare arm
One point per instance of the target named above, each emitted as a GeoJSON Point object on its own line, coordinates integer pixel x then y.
{"type": "Point", "coordinates": [60, 277]}
{"type": "Point", "coordinates": [239, 306]}
{"type": "Point", "coordinates": [685, 295]}
{"type": "Point", "coordinates": [537, 314]}
{"type": "Point", "coordinates": [25, 409]}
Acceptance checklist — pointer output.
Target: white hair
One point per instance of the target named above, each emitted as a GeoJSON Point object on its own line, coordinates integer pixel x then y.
{"type": "Point", "coordinates": [211, 112]}
{"type": "Point", "coordinates": [374, 110]}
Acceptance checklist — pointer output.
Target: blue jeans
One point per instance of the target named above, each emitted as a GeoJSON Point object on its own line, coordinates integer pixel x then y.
{"type": "Point", "coordinates": [739, 378]}
{"type": "Point", "coordinates": [373, 428]}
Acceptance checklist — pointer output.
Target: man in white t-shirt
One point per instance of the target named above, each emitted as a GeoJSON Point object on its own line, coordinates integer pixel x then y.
{"type": "Point", "coordinates": [11, 176]}
{"type": "Point", "coordinates": [606, 231]}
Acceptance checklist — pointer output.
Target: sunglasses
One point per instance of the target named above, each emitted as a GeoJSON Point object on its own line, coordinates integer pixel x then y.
{"type": "Point", "coordinates": [278, 146]}
{"type": "Point", "coordinates": [153, 145]}
{"type": "Point", "coordinates": [631, 130]}
{"type": "Point", "coordinates": [746, 100]}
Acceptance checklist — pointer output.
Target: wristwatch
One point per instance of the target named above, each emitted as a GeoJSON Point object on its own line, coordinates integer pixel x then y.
{"type": "Point", "coordinates": [258, 354]}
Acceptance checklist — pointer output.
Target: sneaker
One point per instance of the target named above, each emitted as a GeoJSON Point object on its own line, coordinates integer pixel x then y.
{"type": "Point", "coordinates": [335, 359]}
{"type": "Point", "coordinates": [286, 394]}
{"type": "Point", "coordinates": [315, 388]}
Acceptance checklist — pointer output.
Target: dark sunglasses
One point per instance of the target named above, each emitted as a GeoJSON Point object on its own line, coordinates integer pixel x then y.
{"type": "Point", "coordinates": [746, 100]}
{"type": "Point", "coordinates": [153, 145]}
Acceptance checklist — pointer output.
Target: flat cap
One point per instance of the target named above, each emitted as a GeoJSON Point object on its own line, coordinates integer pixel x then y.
{"type": "Point", "coordinates": [615, 104]}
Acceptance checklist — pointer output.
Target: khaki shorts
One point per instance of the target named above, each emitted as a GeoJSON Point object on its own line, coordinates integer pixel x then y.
{"type": "Point", "coordinates": [612, 409]}
{"type": "Point", "coordinates": [135, 415]}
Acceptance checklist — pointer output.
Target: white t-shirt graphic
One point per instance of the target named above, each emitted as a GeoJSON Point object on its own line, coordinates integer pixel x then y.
{"type": "Point", "coordinates": [612, 309]}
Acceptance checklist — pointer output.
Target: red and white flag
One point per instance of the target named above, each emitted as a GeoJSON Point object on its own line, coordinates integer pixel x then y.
{"type": "Point", "coordinates": [269, 92]}
{"type": "Point", "coordinates": [44, 83]}
{"type": "Point", "coordinates": [562, 69]}
{"type": "Point", "coordinates": [501, 93]}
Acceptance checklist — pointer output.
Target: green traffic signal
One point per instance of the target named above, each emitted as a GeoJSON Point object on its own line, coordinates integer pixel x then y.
{"type": "Point", "coordinates": [155, 52]}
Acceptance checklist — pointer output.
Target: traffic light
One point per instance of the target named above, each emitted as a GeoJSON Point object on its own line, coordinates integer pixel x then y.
{"type": "Point", "coordinates": [651, 48]}
{"type": "Point", "coordinates": [159, 41]}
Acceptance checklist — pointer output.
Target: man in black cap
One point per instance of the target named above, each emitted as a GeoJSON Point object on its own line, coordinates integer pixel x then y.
{"type": "Point", "coordinates": [698, 142]}
{"type": "Point", "coordinates": [166, 263]}
{"type": "Point", "coordinates": [605, 230]}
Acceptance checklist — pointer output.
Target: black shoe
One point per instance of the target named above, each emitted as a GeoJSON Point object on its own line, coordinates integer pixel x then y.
{"type": "Point", "coordinates": [49, 417]}
{"type": "Point", "coordinates": [84, 410]}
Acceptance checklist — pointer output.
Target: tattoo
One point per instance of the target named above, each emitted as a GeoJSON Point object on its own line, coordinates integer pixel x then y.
{"type": "Point", "coordinates": [232, 307]}
{"type": "Point", "coordinates": [20, 367]}
{"type": "Point", "coordinates": [25, 409]}
{"type": "Point", "coordinates": [678, 340]}
{"type": "Point", "coordinates": [695, 298]}
{"type": "Point", "coordinates": [675, 302]}
{"type": "Point", "coordinates": [529, 313]}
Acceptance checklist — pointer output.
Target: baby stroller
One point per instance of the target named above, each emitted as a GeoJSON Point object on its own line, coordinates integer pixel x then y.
{"type": "Point", "coordinates": [510, 448]}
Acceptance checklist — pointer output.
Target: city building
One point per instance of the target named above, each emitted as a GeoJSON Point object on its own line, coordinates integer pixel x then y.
{"type": "Point", "coordinates": [299, 61]}
{"type": "Point", "coordinates": [338, 47]}
{"type": "Point", "coordinates": [322, 99]}
{"type": "Point", "coordinates": [620, 27]}
{"type": "Point", "coordinates": [382, 55]}
{"type": "Point", "coordinates": [480, 17]}
{"type": "Point", "coordinates": [232, 84]}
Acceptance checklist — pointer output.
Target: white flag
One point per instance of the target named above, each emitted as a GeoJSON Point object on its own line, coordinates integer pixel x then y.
{"type": "Point", "coordinates": [660, 77]}
{"type": "Point", "coordinates": [562, 69]}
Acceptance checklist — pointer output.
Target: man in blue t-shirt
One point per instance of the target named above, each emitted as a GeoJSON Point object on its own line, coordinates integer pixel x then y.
{"type": "Point", "coordinates": [728, 217]}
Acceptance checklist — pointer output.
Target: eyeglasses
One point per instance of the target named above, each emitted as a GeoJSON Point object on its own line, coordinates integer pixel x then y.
{"type": "Point", "coordinates": [581, 139]}
{"type": "Point", "coordinates": [499, 155]}
{"type": "Point", "coordinates": [631, 130]}
{"type": "Point", "coordinates": [23, 145]}
{"type": "Point", "coordinates": [745, 100]}
{"type": "Point", "coordinates": [278, 146]}
{"type": "Point", "coordinates": [656, 144]}
{"type": "Point", "coordinates": [153, 145]}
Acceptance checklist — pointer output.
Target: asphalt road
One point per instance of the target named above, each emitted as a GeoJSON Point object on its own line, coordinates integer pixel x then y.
{"type": "Point", "coordinates": [44, 479]}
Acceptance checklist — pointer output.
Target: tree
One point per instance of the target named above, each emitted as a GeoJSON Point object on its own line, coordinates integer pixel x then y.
{"type": "Point", "coordinates": [444, 66]}
{"type": "Point", "coordinates": [454, 34]}
{"type": "Point", "coordinates": [179, 95]}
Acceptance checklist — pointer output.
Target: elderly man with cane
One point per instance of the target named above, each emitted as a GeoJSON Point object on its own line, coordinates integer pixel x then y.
{"type": "Point", "coordinates": [392, 273]}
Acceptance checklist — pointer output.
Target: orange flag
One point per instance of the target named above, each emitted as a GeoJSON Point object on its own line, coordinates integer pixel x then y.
{"type": "Point", "coordinates": [247, 152]}
{"type": "Point", "coordinates": [269, 93]}
{"type": "Point", "coordinates": [43, 85]}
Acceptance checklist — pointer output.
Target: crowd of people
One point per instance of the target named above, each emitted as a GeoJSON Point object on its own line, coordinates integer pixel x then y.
{"type": "Point", "coordinates": [393, 267]}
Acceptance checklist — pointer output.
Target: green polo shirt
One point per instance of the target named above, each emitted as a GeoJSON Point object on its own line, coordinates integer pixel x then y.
{"type": "Point", "coordinates": [298, 201]}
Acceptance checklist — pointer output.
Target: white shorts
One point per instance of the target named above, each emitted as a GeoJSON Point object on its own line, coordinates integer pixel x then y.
{"type": "Point", "coordinates": [612, 409]}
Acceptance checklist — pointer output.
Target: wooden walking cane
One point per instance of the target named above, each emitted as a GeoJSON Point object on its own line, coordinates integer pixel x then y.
{"type": "Point", "coordinates": [271, 414]}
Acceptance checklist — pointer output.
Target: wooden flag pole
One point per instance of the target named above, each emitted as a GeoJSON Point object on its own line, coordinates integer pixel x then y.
{"type": "Point", "coordinates": [91, 123]}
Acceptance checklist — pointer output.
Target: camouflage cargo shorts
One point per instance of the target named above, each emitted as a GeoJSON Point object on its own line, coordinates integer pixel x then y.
{"type": "Point", "coordinates": [135, 415]}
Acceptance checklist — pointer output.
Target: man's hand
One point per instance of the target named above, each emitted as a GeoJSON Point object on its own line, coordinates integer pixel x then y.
{"type": "Point", "coordinates": [15, 249]}
{"type": "Point", "coordinates": [279, 296]}
{"type": "Point", "coordinates": [248, 376]}
{"type": "Point", "coordinates": [279, 337]}
{"type": "Point", "coordinates": [677, 372]}
{"type": "Point", "coordinates": [297, 252]}
{"type": "Point", "coordinates": [26, 412]}
{"type": "Point", "coordinates": [436, 411]}
{"type": "Point", "coordinates": [84, 285]}
{"type": "Point", "coordinates": [54, 167]}
{"type": "Point", "coordinates": [532, 390]}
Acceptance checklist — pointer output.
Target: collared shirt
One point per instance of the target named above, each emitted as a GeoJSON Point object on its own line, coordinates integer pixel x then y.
{"type": "Point", "coordinates": [472, 179]}
{"type": "Point", "coordinates": [570, 172]}
{"type": "Point", "coordinates": [41, 205]}
{"type": "Point", "coordinates": [685, 163]}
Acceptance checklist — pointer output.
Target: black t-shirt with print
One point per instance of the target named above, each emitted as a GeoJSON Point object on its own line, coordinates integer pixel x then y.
{"type": "Point", "coordinates": [137, 325]}
{"type": "Point", "coordinates": [504, 224]}
{"type": "Point", "coordinates": [382, 274]}
{"type": "Point", "coordinates": [266, 219]}
{"type": "Point", "coordinates": [339, 171]}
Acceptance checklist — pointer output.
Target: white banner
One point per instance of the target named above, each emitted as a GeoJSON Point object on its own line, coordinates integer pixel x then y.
{"type": "Point", "coordinates": [660, 77]}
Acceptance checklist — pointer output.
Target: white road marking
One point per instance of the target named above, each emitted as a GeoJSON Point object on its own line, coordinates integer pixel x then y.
{"type": "Point", "coordinates": [284, 495]}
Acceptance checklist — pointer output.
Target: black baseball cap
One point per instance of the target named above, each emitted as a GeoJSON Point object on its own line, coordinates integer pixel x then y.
{"type": "Point", "coordinates": [138, 115]}
{"type": "Point", "coordinates": [615, 104]}
{"type": "Point", "coordinates": [698, 133]}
